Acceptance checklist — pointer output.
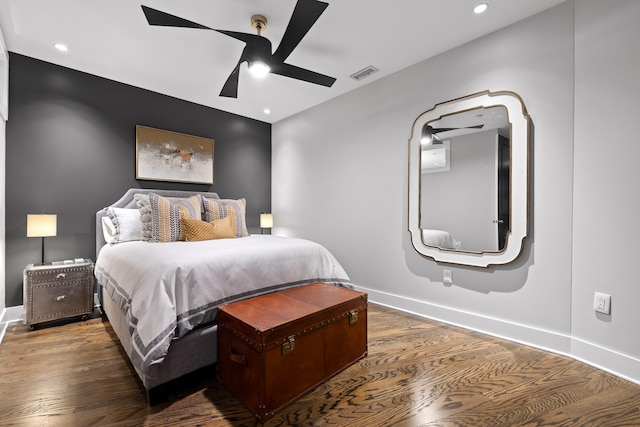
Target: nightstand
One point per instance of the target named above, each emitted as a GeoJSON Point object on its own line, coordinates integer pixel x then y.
{"type": "Point", "coordinates": [57, 290]}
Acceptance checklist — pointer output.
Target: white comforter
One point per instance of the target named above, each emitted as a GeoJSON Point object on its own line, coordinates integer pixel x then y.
{"type": "Point", "coordinates": [167, 289]}
{"type": "Point", "coordinates": [439, 238]}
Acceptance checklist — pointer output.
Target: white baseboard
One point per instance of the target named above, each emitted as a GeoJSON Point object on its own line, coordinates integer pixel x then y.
{"type": "Point", "coordinates": [9, 315]}
{"type": "Point", "coordinates": [618, 364]}
{"type": "Point", "coordinates": [621, 365]}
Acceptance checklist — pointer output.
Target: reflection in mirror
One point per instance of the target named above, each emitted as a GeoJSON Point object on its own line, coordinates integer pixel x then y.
{"type": "Point", "coordinates": [472, 147]}
{"type": "Point", "coordinates": [468, 179]}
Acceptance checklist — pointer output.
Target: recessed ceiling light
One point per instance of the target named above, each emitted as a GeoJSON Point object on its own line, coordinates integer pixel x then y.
{"type": "Point", "coordinates": [481, 8]}
{"type": "Point", "coordinates": [61, 47]}
{"type": "Point", "coordinates": [267, 111]}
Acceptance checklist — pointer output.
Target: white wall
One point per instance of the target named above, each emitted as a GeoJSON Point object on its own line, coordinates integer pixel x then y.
{"type": "Point", "coordinates": [2, 213]}
{"type": "Point", "coordinates": [4, 114]}
{"type": "Point", "coordinates": [606, 195]}
{"type": "Point", "coordinates": [340, 178]}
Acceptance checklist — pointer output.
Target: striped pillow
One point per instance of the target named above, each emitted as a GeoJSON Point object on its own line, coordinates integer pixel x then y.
{"type": "Point", "coordinates": [161, 217]}
{"type": "Point", "coordinates": [215, 209]}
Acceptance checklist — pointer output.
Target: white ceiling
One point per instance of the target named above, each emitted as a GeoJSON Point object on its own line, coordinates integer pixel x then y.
{"type": "Point", "coordinates": [112, 39]}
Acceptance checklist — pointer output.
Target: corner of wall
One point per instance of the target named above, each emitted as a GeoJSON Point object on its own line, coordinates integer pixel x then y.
{"type": "Point", "coordinates": [2, 213]}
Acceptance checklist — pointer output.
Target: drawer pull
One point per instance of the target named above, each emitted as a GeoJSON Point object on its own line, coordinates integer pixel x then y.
{"type": "Point", "coordinates": [61, 276]}
{"type": "Point", "coordinates": [61, 298]}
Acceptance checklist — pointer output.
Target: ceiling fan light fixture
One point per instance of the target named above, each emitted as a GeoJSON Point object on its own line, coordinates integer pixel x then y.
{"type": "Point", "coordinates": [429, 140]}
{"type": "Point", "coordinates": [429, 137]}
{"type": "Point", "coordinates": [259, 69]}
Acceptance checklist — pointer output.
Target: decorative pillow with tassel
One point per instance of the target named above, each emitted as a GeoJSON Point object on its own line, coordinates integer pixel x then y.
{"type": "Point", "coordinates": [161, 216]}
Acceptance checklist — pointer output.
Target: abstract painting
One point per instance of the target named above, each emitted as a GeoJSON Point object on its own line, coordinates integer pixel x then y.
{"type": "Point", "coordinates": [162, 155]}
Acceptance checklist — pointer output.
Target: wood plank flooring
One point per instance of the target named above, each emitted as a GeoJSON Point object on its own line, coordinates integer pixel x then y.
{"type": "Point", "coordinates": [418, 373]}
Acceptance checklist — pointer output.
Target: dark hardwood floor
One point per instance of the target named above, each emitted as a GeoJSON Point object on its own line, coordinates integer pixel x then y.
{"type": "Point", "coordinates": [418, 373]}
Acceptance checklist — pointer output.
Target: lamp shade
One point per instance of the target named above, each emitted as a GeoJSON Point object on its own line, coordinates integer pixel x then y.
{"type": "Point", "coordinates": [266, 220]}
{"type": "Point", "coordinates": [41, 225]}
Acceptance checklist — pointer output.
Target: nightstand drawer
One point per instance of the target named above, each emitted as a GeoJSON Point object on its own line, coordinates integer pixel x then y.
{"type": "Point", "coordinates": [54, 292]}
{"type": "Point", "coordinates": [55, 275]}
{"type": "Point", "coordinates": [50, 301]}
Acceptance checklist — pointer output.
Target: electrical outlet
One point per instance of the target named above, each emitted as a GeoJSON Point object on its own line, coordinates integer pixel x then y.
{"type": "Point", "coordinates": [602, 303]}
{"type": "Point", "coordinates": [447, 277]}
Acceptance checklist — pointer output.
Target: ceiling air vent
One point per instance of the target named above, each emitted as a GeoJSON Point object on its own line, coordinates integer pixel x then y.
{"type": "Point", "coordinates": [364, 73]}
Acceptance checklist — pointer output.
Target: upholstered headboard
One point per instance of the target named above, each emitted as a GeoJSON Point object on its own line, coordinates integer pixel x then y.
{"type": "Point", "coordinates": [127, 201]}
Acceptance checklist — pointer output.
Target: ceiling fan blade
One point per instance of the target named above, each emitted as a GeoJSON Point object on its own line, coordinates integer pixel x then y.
{"type": "Point", "coordinates": [245, 37]}
{"type": "Point", "coordinates": [439, 130]}
{"type": "Point", "coordinates": [294, 72]}
{"type": "Point", "coordinates": [257, 48]}
{"type": "Point", "coordinates": [230, 88]}
{"type": "Point", "coordinates": [305, 14]}
{"type": "Point", "coordinates": [163, 19]}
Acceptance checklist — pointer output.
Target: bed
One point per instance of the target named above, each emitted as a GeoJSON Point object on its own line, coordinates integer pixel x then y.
{"type": "Point", "coordinates": [161, 297]}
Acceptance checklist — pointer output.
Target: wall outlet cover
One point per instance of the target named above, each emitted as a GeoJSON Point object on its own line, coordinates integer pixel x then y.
{"type": "Point", "coordinates": [602, 303]}
{"type": "Point", "coordinates": [447, 277]}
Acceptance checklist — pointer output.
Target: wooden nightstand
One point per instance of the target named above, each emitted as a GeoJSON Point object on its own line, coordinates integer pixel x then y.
{"type": "Point", "coordinates": [57, 290]}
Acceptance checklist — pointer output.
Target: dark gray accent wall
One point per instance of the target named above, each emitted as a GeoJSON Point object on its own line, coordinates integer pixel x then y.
{"type": "Point", "coordinates": [71, 151]}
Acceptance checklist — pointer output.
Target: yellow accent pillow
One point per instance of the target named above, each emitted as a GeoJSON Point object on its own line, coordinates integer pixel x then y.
{"type": "Point", "coordinates": [196, 230]}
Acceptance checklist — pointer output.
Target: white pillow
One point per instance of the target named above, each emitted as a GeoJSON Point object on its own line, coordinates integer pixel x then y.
{"type": "Point", "coordinates": [108, 229]}
{"type": "Point", "coordinates": [126, 223]}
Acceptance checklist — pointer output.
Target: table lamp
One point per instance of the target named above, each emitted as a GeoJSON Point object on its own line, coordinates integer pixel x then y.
{"type": "Point", "coordinates": [41, 225]}
{"type": "Point", "coordinates": [266, 221]}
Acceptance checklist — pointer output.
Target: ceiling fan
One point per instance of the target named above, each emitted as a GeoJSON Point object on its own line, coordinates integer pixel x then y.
{"type": "Point", "coordinates": [430, 137]}
{"type": "Point", "coordinates": [258, 51]}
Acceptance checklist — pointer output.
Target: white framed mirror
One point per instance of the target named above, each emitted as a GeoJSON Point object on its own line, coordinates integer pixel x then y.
{"type": "Point", "coordinates": [469, 179]}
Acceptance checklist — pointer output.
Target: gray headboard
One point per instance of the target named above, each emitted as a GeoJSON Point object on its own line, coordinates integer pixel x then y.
{"type": "Point", "coordinates": [127, 201]}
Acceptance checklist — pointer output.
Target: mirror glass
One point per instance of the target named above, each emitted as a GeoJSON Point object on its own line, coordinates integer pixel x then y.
{"type": "Point", "coordinates": [468, 179]}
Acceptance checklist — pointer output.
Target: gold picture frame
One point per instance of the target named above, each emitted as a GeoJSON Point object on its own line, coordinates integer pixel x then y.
{"type": "Point", "coordinates": [162, 155]}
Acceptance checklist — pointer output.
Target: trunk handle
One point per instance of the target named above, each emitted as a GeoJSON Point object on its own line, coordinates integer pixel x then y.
{"type": "Point", "coordinates": [237, 357]}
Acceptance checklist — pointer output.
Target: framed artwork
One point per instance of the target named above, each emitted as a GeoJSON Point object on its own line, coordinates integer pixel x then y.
{"type": "Point", "coordinates": [162, 155]}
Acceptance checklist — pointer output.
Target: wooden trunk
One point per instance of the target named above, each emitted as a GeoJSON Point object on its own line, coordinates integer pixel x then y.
{"type": "Point", "coordinates": [274, 348]}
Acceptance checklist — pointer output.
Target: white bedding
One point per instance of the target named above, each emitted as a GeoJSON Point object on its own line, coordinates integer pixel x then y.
{"type": "Point", "coordinates": [167, 289]}
{"type": "Point", "coordinates": [439, 238]}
